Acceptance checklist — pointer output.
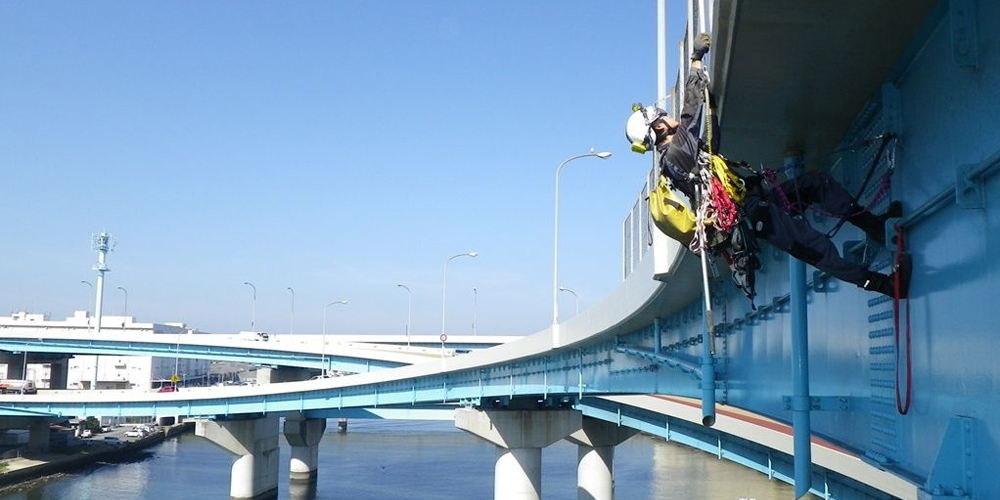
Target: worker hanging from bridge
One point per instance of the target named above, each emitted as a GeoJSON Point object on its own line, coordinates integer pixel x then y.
{"type": "Point", "coordinates": [739, 204]}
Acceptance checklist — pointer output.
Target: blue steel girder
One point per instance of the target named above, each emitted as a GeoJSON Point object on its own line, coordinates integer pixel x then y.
{"type": "Point", "coordinates": [593, 369]}
{"type": "Point", "coordinates": [774, 463]}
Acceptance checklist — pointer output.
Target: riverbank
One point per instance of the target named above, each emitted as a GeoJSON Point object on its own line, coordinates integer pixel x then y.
{"type": "Point", "coordinates": [43, 466]}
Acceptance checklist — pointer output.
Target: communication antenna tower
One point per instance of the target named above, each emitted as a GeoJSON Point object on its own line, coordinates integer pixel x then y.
{"type": "Point", "coordinates": [102, 244]}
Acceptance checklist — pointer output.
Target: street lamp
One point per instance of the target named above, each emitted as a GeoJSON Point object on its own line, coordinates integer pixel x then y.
{"type": "Point", "coordinates": [555, 240]}
{"type": "Point", "coordinates": [126, 300]}
{"type": "Point", "coordinates": [409, 310]}
{"type": "Point", "coordinates": [475, 306]}
{"type": "Point", "coordinates": [125, 314]}
{"type": "Point", "coordinates": [253, 313]}
{"type": "Point", "coordinates": [444, 288]}
{"type": "Point", "coordinates": [323, 355]}
{"type": "Point", "coordinates": [174, 378]}
{"type": "Point", "coordinates": [291, 329]}
{"type": "Point", "coordinates": [564, 289]}
{"type": "Point", "coordinates": [85, 282]}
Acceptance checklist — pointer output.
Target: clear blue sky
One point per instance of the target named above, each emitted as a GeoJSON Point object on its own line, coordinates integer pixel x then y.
{"type": "Point", "coordinates": [338, 148]}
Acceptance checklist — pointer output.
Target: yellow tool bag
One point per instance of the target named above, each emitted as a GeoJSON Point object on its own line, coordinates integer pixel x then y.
{"type": "Point", "coordinates": [671, 215]}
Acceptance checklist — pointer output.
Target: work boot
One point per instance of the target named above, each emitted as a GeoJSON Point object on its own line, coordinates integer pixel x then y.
{"type": "Point", "coordinates": [886, 284]}
{"type": "Point", "coordinates": [874, 225]}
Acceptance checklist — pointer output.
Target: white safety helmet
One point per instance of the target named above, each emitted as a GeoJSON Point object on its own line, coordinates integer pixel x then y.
{"type": "Point", "coordinates": [638, 128]}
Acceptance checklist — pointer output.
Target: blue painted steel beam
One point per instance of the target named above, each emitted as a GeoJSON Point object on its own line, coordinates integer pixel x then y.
{"type": "Point", "coordinates": [438, 412]}
{"type": "Point", "coordinates": [216, 353]}
{"type": "Point", "coordinates": [775, 464]}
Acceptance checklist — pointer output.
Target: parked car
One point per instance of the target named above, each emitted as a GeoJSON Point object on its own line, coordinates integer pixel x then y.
{"type": "Point", "coordinates": [134, 433]}
{"type": "Point", "coordinates": [112, 440]}
{"type": "Point", "coordinates": [262, 336]}
{"type": "Point", "coordinates": [15, 386]}
{"type": "Point", "coordinates": [167, 388]}
{"type": "Point", "coordinates": [86, 433]}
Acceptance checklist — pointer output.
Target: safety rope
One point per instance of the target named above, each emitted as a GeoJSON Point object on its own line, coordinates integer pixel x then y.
{"type": "Point", "coordinates": [725, 209]}
{"type": "Point", "coordinates": [708, 120]}
{"type": "Point", "coordinates": [720, 189]}
{"type": "Point", "coordinates": [700, 240]}
{"type": "Point", "coordinates": [705, 213]}
{"type": "Point", "coordinates": [772, 176]}
{"type": "Point", "coordinates": [884, 185]}
{"type": "Point", "coordinates": [902, 406]}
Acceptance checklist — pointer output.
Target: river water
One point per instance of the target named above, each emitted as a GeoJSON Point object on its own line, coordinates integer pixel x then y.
{"type": "Point", "coordinates": [388, 460]}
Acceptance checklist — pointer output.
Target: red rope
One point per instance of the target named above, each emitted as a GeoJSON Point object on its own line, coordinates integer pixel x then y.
{"type": "Point", "coordinates": [725, 209]}
{"type": "Point", "coordinates": [902, 407]}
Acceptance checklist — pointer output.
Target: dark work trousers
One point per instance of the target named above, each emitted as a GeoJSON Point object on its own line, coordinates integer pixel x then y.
{"type": "Point", "coordinates": [787, 228]}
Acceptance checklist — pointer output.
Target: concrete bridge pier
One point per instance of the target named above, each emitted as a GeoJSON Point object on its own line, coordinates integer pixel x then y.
{"type": "Point", "coordinates": [58, 373]}
{"type": "Point", "coordinates": [304, 435]}
{"type": "Point", "coordinates": [255, 473]}
{"type": "Point", "coordinates": [38, 435]}
{"type": "Point", "coordinates": [267, 375]}
{"type": "Point", "coordinates": [15, 364]}
{"type": "Point", "coordinates": [519, 436]}
{"type": "Point", "coordinates": [596, 443]}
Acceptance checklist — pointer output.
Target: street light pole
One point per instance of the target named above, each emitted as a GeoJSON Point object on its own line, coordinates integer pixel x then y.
{"type": "Point", "coordinates": [126, 300]}
{"type": "Point", "coordinates": [475, 307]}
{"type": "Point", "coordinates": [564, 289]}
{"type": "Point", "coordinates": [253, 313]}
{"type": "Point", "coordinates": [555, 240]}
{"type": "Point", "coordinates": [323, 355]}
{"type": "Point", "coordinates": [177, 361]}
{"type": "Point", "coordinates": [291, 329]}
{"type": "Point", "coordinates": [125, 314]}
{"type": "Point", "coordinates": [409, 310]}
{"type": "Point", "coordinates": [85, 282]}
{"type": "Point", "coordinates": [444, 287]}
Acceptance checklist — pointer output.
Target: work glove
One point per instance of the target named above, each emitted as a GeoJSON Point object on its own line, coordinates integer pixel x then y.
{"type": "Point", "coordinates": [701, 44]}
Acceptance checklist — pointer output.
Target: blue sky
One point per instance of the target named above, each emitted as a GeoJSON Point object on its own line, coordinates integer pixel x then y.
{"type": "Point", "coordinates": [338, 148]}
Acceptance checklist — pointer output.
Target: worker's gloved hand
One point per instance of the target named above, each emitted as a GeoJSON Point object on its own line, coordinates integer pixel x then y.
{"type": "Point", "coordinates": [702, 43]}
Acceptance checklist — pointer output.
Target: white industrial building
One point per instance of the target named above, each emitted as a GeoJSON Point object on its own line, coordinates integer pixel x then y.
{"type": "Point", "coordinates": [113, 372]}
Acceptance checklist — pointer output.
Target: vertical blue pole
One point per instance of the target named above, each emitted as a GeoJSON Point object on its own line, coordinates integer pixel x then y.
{"type": "Point", "coordinates": [708, 354]}
{"type": "Point", "coordinates": [707, 390]}
{"type": "Point", "coordinates": [801, 424]}
{"type": "Point", "coordinates": [708, 373]}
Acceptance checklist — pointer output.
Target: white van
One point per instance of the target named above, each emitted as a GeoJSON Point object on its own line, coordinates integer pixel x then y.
{"type": "Point", "coordinates": [254, 336]}
{"type": "Point", "coordinates": [14, 386]}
